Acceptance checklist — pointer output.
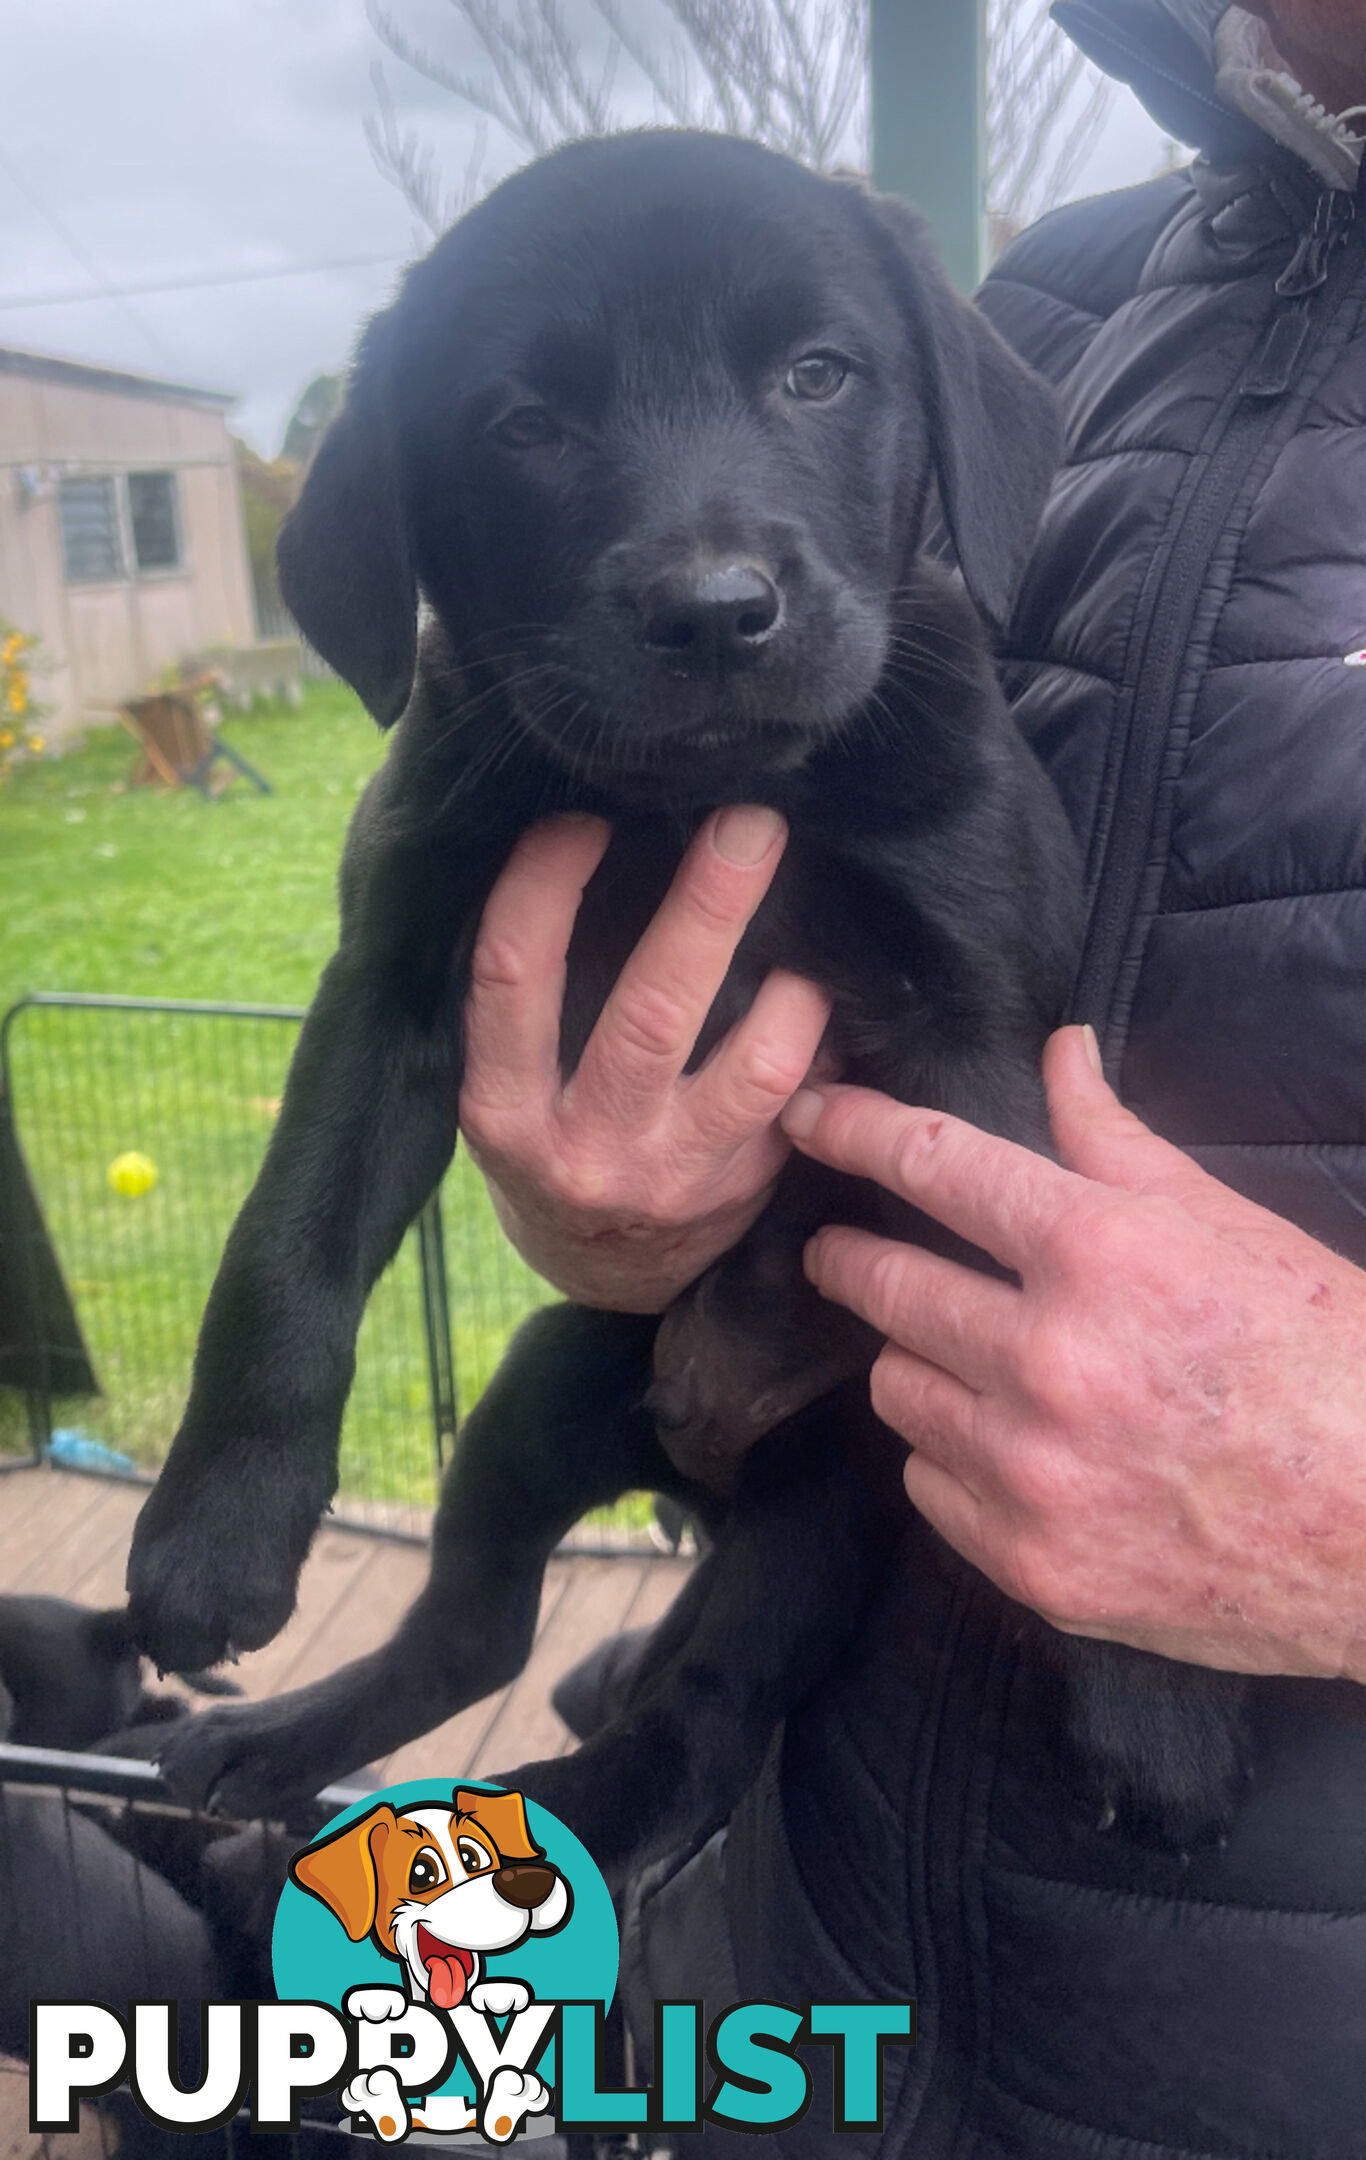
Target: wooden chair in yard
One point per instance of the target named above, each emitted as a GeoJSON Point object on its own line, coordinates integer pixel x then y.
{"type": "Point", "coordinates": [180, 747]}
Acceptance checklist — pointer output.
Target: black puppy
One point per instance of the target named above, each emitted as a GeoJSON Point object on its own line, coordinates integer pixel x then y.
{"type": "Point", "coordinates": [656, 434]}
{"type": "Point", "coordinates": [71, 1677]}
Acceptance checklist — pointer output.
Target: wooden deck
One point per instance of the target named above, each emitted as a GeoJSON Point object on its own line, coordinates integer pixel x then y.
{"type": "Point", "coordinates": [68, 1537]}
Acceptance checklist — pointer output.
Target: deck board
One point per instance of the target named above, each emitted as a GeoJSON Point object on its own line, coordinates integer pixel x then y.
{"type": "Point", "coordinates": [67, 1536]}
{"type": "Point", "coordinates": [44, 1546]}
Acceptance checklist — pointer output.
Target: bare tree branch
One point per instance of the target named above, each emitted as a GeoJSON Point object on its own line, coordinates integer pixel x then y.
{"type": "Point", "coordinates": [1045, 107]}
{"type": "Point", "coordinates": [411, 164]}
{"type": "Point", "coordinates": [791, 73]}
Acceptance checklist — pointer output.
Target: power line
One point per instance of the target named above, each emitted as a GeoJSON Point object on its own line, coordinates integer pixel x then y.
{"type": "Point", "coordinates": [91, 269]}
{"type": "Point", "coordinates": [196, 281]}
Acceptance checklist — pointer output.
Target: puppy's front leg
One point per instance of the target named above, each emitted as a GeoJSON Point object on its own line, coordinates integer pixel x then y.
{"type": "Point", "coordinates": [559, 1429]}
{"type": "Point", "coordinates": [366, 1129]}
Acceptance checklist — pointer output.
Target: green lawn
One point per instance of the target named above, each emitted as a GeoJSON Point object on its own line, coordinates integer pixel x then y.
{"type": "Point", "coordinates": [137, 892]}
{"type": "Point", "coordinates": [103, 887]}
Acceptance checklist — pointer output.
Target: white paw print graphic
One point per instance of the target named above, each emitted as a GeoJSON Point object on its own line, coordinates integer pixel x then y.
{"type": "Point", "coordinates": [511, 2097]}
{"type": "Point", "coordinates": [375, 2005]}
{"type": "Point", "coordinates": [378, 2094]}
{"type": "Point", "coordinates": [503, 1998]}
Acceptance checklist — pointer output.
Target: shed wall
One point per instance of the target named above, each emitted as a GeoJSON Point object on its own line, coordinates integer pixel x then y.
{"type": "Point", "coordinates": [106, 641]}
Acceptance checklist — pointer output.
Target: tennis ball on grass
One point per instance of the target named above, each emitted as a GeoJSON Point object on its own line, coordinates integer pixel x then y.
{"type": "Point", "coordinates": [132, 1174]}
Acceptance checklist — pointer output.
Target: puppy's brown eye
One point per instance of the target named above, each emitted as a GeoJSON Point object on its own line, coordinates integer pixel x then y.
{"type": "Point", "coordinates": [816, 377]}
{"type": "Point", "coordinates": [527, 427]}
{"type": "Point", "coordinates": [473, 1858]}
{"type": "Point", "coordinates": [426, 1872]}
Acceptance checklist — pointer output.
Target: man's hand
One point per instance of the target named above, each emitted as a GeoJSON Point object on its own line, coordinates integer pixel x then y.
{"type": "Point", "coordinates": [622, 1186]}
{"type": "Point", "coordinates": [1159, 1437]}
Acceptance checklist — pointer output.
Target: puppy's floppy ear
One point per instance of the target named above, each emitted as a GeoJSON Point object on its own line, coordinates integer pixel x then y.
{"type": "Point", "coordinates": [343, 1871]}
{"type": "Point", "coordinates": [994, 427]}
{"type": "Point", "coordinates": [503, 1815]}
{"type": "Point", "coordinates": [345, 569]}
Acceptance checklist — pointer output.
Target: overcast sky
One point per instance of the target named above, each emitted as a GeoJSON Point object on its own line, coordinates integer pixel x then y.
{"type": "Point", "coordinates": [194, 139]}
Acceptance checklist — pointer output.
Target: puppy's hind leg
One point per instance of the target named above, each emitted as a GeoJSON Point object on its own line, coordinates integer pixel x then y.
{"type": "Point", "coordinates": [755, 1628]}
{"type": "Point", "coordinates": [1158, 1748]}
{"type": "Point", "coordinates": [559, 1430]}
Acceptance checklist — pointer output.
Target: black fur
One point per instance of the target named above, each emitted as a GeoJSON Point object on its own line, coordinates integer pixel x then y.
{"type": "Point", "coordinates": [70, 1677]}
{"type": "Point", "coordinates": [647, 296]}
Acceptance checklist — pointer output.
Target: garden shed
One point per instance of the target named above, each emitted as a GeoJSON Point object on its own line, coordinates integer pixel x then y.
{"type": "Point", "coordinates": [122, 546]}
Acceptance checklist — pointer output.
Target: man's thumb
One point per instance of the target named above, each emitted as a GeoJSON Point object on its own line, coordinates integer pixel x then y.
{"type": "Point", "coordinates": [1096, 1135]}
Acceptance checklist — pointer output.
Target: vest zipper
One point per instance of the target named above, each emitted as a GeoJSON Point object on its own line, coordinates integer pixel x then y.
{"type": "Point", "coordinates": [1268, 376]}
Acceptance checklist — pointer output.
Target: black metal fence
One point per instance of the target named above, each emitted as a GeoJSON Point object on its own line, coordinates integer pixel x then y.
{"type": "Point", "coordinates": [154, 1901]}
{"type": "Point", "coordinates": [158, 1902]}
{"type": "Point", "coordinates": [106, 1263]}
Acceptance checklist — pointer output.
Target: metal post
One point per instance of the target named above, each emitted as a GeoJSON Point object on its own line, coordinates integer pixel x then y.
{"type": "Point", "coordinates": [436, 1320]}
{"type": "Point", "coordinates": [929, 120]}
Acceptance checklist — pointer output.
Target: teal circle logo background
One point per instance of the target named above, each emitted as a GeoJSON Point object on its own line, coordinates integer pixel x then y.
{"type": "Point", "coordinates": [315, 1961]}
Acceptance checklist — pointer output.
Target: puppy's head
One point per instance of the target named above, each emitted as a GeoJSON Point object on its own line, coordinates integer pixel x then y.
{"type": "Point", "coordinates": [654, 431]}
{"type": "Point", "coordinates": [438, 1887]}
{"type": "Point", "coordinates": [71, 1676]}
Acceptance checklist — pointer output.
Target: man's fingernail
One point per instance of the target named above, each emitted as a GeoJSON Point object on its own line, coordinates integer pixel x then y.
{"type": "Point", "coordinates": [799, 1118]}
{"type": "Point", "coordinates": [745, 833]}
{"type": "Point", "coordinates": [1088, 1036]}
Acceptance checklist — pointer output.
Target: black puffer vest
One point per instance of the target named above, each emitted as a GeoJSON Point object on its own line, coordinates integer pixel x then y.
{"type": "Point", "coordinates": [1178, 661]}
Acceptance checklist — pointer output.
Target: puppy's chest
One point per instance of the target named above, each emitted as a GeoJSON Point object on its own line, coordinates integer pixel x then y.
{"type": "Point", "coordinates": [822, 918]}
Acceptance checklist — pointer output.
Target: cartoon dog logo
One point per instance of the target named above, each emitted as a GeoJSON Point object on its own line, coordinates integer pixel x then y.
{"type": "Point", "coordinates": [439, 1888]}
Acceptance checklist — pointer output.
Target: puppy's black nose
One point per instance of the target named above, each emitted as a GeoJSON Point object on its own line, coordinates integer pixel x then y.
{"type": "Point", "coordinates": [524, 1884]}
{"type": "Point", "coordinates": [701, 620]}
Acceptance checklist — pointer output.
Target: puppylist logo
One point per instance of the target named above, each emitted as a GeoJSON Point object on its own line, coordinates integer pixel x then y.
{"type": "Point", "coordinates": [444, 1959]}
{"type": "Point", "coordinates": [455, 1895]}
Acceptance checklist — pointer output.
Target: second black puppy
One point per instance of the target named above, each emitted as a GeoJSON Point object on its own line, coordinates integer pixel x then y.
{"type": "Point", "coordinates": [70, 1677]}
{"type": "Point", "coordinates": [656, 434]}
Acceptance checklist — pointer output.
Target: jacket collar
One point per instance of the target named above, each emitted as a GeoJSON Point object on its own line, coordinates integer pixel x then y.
{"type": "Point", "coordinates": [1164, 50]}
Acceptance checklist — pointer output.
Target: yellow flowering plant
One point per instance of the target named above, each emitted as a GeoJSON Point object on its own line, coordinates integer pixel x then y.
{"type": "Point", "coordinates": [20, 711]}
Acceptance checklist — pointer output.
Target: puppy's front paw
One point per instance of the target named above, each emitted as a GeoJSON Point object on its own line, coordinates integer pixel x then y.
{"type": "Point", "coordinates": [248, 1762]}
{"type": "Point", "coordinates": [501, 1998]}
{"type": "Point", "coordinates": [216, 1556]}
{"type": "Point", "coordinates": [377, 2095]}
{"type": "Point", "coordinates": [374, 2005]}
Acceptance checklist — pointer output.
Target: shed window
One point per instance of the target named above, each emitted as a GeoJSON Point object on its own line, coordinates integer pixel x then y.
{"type": "Point", "coordinates": [152, 515]}
{"type": "Point", "coordinates": [91, 547]}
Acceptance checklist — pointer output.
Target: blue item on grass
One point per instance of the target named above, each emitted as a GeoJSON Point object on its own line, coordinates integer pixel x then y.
{"type": "Point", "coordinates": [71, 1449]}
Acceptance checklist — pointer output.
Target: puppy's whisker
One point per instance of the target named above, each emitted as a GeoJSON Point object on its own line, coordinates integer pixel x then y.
{"type": "Point", "coordinates": [933, 665]}
{"type": "Point", "coordinates": [884, 721]}
{"type": "Point", "coordinates": [944, 632]}
{"type": "Point", "coordinates": [558, 731]}
{"type": "Point", "coordinates": [924, 686]}
{"type": "Point", "coordinates": [470, 712]}
{"type": "Point", "coordinates": [927, 658]}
